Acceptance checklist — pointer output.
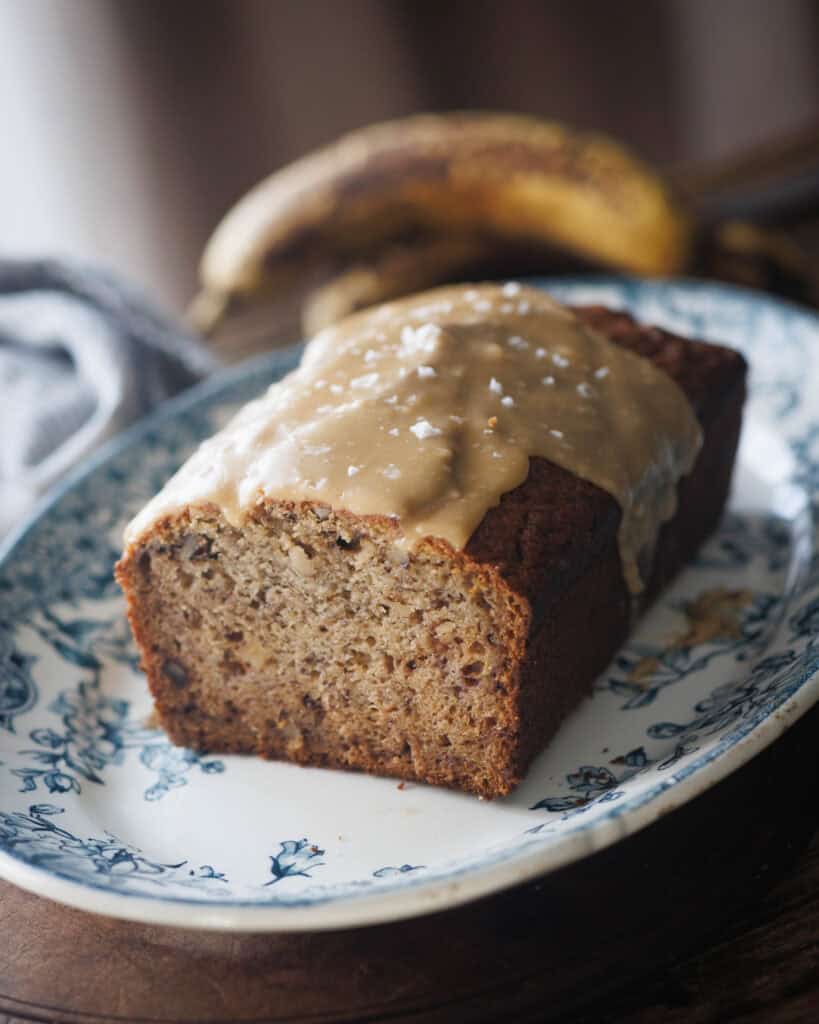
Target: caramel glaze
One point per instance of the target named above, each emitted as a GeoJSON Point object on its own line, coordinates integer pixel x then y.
{"type": "Point", "coordinates": [428, 410]}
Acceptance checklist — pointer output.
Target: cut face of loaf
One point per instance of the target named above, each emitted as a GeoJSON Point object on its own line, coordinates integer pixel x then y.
{"type": "Point", "coordinates": [310, 635]}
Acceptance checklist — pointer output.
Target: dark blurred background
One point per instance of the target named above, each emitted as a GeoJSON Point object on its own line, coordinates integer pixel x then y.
{"type": "Point", "coordinates": [130, 126]}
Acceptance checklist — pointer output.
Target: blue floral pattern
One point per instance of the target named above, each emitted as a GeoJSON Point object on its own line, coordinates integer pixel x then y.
{"type": "Point", "coordinates": [390, 872]}
{"type": "Point", "coordinates": [744, 538]}
{"type": "Point", "coordinates": [294, 858]}
{"type": "Point", "coordinates": [18, 691]}
{"type": "Point", "coordinates": [588, 783]}
{"type": "Point", "coordinates": [36, 836]}
{"type": "Point", "coordinates": [73, 708]}
{"type": "Point", "coordinates": [671, 664]}
{"type": "Point", "coordinates": [95, 729]}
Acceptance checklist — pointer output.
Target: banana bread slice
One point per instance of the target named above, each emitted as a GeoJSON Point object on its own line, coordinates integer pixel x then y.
{"type": "Point", "coordinates": [305, 634]}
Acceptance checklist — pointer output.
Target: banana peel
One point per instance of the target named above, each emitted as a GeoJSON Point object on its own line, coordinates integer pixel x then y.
{"type": "Point", "coordinates": [396, 207]}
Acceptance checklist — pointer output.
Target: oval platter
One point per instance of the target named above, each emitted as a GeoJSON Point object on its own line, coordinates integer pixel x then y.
{"type": "Point", "coordinates": [99, 811]}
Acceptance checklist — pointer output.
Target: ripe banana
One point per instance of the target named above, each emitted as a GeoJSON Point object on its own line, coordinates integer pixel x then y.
{"type": "Point", "coordinates": [400, 206]}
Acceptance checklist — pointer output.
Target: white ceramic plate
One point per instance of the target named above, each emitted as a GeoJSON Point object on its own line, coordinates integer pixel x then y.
{"type": "Point", "coordinates": [99, 811]}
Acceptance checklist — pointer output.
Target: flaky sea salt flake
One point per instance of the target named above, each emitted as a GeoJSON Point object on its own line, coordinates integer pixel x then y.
{"type": "Point", "coordinates": [420, 339]}
{"type": "Point", "coordinates": [423, 429]}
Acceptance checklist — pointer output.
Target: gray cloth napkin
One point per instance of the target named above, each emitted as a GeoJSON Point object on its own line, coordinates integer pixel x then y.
{"type": "Point", "coordinates": [81, 356]}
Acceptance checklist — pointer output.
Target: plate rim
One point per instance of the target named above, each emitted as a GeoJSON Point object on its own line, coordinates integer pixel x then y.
{"type": "Point", "coordinates": [379, 906]}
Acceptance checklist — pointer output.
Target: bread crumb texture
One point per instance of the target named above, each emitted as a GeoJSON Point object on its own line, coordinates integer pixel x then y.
{"type": "Point", "coordinates": [309, 635]}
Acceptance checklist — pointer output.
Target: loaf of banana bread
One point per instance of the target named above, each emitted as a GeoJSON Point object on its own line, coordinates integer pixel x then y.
{"type": "Point", "coordinates": [315, 585]}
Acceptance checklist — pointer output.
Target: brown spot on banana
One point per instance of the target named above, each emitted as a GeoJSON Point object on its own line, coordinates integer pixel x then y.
{"type": "Point", "coordinates": [400, 206]}
{"type": "Point", "coordinates": [398, 270]}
